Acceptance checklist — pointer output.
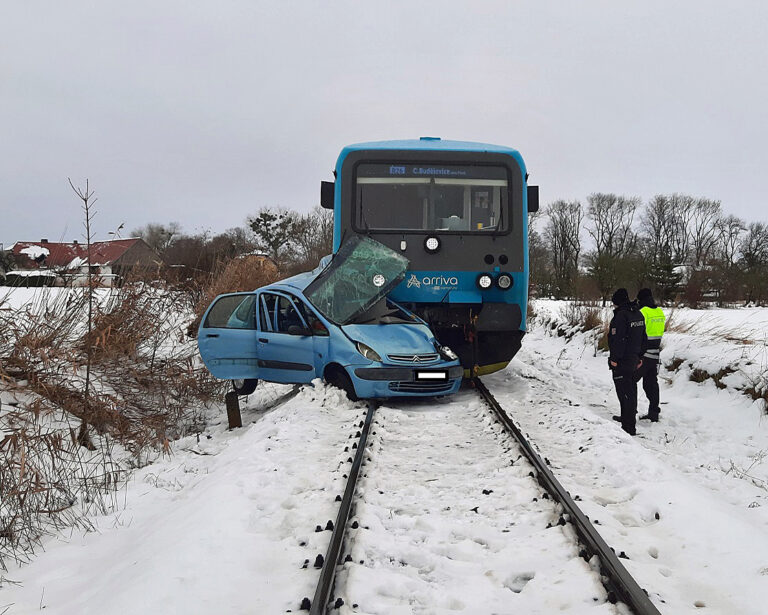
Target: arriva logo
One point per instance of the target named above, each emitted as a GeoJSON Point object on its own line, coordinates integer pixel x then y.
{"type": "Point", "coordinates": [440, 280]}
{"type": "Point", "coordinates": [436, 281]}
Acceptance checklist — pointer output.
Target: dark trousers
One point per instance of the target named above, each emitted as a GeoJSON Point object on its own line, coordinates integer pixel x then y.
{"type": "Point", "coordinates": [649, 373]}
{"type": "Point", "coordinates": [626, 390]}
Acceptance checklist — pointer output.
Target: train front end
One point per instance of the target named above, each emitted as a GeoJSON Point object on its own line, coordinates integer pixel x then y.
{"type": "Point", "coordinates": [458, 212]}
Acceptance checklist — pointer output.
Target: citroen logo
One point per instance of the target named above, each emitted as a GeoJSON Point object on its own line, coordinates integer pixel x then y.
{"type": "Point", "coordinates": [416, 358]}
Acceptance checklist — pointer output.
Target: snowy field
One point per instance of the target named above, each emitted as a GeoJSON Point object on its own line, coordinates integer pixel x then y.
{"type": "Point", "coordinates": [226, 524]}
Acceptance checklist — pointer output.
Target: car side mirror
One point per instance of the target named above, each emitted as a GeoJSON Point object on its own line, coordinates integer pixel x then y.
{"type": "Point", "coordinates": [299, 330]}
{"type": "Point", "coordinates": [327, 190]}
{"type": "Point", "coordinates": [533, 199]}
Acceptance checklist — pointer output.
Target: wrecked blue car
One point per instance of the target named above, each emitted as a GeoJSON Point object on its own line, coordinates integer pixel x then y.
{"type": "Point", "coordinates": [334, 323]}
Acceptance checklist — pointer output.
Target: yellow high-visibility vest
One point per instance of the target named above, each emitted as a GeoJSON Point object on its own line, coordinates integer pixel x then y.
{"type": "Point", "coordinates": [654, 322]}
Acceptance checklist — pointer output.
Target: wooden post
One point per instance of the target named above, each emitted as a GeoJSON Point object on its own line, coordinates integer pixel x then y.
{"type": "Point", "coordinates": [233, 410]}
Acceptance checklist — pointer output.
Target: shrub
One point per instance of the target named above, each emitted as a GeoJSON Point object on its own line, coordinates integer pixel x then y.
{"type": "Point", "coordinates": [238, 275]}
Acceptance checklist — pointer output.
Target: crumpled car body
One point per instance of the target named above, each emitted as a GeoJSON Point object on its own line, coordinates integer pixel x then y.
{"type": "Point", "coordinates": [334, 323]}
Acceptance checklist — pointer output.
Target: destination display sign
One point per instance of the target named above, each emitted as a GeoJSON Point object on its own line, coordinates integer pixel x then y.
{"type": "Point", "coordinates": [427, 171]}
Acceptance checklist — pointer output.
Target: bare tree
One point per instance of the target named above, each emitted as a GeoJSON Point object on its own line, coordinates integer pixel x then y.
{"type": "Point", "coordinates": [754, 261]}
{"type": "Point", "coordinates": [681, 207]}
{"type": "Point", "coordinates": [611, 228]}
{"type": "Point", "coordinates": [312, 235]}
{"type": "Point", "coordinates": [725, 276]}
{"type": "Point", "coordinates": [658, 223]}
{"type": "Point", "coordinates": [562, 236]}
{"type": "Point", "coordinates": [158, 236]}
{"type": "Point", "coordinates": [612, 218]}
{"type": "Point", "coordinates": [729, 232]}
{"type": "Point", "coordinates": [86, 196]}
{"type": "Point", "coordinates": [703, 230]}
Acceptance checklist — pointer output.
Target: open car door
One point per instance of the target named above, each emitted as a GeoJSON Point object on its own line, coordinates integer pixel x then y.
{"type": "Point", "coordinates": [360, 274]}
{"type": "Point", "coordinates": [227, 337]}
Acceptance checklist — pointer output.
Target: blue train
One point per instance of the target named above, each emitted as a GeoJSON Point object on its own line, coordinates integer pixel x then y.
{"type": "Point", "coordinates": [458, 212]}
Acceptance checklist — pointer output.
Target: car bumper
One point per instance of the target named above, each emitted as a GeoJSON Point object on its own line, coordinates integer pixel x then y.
{"type": "Point", "coordinates": [406, 381]}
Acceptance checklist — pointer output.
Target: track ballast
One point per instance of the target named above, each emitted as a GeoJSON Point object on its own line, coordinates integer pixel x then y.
{"type": "Point", "coordinates": [452, 513]}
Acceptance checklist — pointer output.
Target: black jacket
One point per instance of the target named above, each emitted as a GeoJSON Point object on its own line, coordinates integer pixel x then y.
{"type": "Point", "coordinates": [626, 336]}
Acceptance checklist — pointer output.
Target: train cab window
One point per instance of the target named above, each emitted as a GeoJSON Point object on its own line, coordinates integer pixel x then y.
{"type": "Point", "coordinates": [445, 197]}
{"type": "Point", "coordinates": [232, 312]}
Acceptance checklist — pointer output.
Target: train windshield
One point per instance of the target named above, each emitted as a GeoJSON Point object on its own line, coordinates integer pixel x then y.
{"type": "Point", "coordinates": [360, 274]}
{"type": "Point", "coordinates": [423, 197]}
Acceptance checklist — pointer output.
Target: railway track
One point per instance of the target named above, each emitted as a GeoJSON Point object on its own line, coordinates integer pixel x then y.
{"type": "Point", "coordinates": [411, 526]}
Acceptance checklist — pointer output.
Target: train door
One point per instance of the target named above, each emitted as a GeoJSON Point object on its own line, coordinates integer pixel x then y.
{"type": "Point", "coordinates": [227, 338]}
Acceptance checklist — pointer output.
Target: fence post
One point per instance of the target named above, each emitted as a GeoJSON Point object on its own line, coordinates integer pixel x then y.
{"type": "Point", "coordinates": [233, 410]}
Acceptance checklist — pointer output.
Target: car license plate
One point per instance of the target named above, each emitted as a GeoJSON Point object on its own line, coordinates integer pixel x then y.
{"type": "Point", "coordinates": [431, 375]}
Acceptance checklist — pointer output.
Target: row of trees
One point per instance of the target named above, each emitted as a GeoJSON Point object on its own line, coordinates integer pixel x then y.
{"type": "Point", "coordinates": [685, 248]}
{"type": "Point", "coordinates": [294, 241]}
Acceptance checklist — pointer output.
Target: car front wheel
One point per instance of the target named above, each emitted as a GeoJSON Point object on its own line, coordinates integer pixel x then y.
{"type": "Point", "coordinates": [341, 380]}
{"type": "Point", "coordinates": [245, 386]}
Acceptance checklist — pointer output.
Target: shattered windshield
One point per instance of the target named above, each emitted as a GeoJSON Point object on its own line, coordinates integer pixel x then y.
{"type": "Point", "coordinates": [361, 273]}
{"type": "Point", "coordinates": [385, 312]}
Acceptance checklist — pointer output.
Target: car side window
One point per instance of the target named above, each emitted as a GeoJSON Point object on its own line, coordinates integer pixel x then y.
{"type": "Point", "coordinates": [232, 312]}
{"type": "Point", "coordinates": [287, 315]}
{"type": "Point", "coordinates": [267, 311]}
{"type": "Point", "coordinates": [315, 324]}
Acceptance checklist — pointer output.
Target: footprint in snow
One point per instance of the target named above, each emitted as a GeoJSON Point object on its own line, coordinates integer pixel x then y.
{"type": "Point", "coordinates": [517, 583]}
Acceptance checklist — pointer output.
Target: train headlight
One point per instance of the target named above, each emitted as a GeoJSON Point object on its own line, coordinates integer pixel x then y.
{"type": "Point", "coordinates": [432, 244]}
{"type": "Point", "coordinates": [504, 281]}
{"type": "Point", "coordinates": [368, 352]}
{"type": "Point", "coordinates": [484, 281]}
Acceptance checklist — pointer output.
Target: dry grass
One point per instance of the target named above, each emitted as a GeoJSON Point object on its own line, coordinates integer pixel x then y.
{"type": "Point", "coordinates": [582, 316]}
{"type": "Point", "coordinates": [147, 389]}
{"type": "Point", "coordinates": [238, 275]}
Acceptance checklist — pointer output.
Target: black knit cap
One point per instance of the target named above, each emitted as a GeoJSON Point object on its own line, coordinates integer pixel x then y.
{"type": "Point", "coordinates": [645, 297]}
{"type": "Point", "coordinates": [620, 297]}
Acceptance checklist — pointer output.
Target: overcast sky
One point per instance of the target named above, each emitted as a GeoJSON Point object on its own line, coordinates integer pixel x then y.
{"type": "Point", "coordinates": [203, 112]}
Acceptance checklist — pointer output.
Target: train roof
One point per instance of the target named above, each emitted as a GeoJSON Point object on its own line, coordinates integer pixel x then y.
{"type": "Point", "coordinates": [430, 144]}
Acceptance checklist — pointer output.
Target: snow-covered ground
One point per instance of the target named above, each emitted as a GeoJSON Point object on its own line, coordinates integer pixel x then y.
{"type": "Point", "coordinates": [226, 523]}
{"type": "Point", "coordinates": [452, 521]}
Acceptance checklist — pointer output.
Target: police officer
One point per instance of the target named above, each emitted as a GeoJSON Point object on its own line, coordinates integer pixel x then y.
{"type": "Point", "coordinates": [626, 341]}
{"type": "Point", "coordinates": [654, 329]}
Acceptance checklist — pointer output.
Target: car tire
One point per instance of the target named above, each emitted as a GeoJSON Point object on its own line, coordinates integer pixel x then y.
{"type": "Point", "coordinates": [341, 380]}
{"type": "Point", "coordinates": [244, 387]}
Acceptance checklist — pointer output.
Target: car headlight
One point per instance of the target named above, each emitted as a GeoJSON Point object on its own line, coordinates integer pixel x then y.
{"type": "Point", "coordinates": [446, 353]}
{"type": "Point", "coordinates": [368, 352]}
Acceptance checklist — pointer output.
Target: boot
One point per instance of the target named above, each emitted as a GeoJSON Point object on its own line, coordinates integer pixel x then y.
{"type": "Point", "coordinates": [616, 418]}
{"type": "Point", "coordinates": [653, 418]}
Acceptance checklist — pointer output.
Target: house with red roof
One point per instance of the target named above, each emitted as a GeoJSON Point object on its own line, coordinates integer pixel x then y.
{"type": "Point", "coordinates": [47, 263]}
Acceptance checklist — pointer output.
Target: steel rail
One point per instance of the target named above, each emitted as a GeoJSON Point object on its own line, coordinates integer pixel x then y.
{"type": "Point", "coordinates": [619, 581]}
{"type": "Point", "coordinates": [319, 603]}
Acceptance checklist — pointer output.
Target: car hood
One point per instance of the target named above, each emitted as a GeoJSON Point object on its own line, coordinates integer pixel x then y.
{"type": "Point", "coordinates": [394, 338]}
